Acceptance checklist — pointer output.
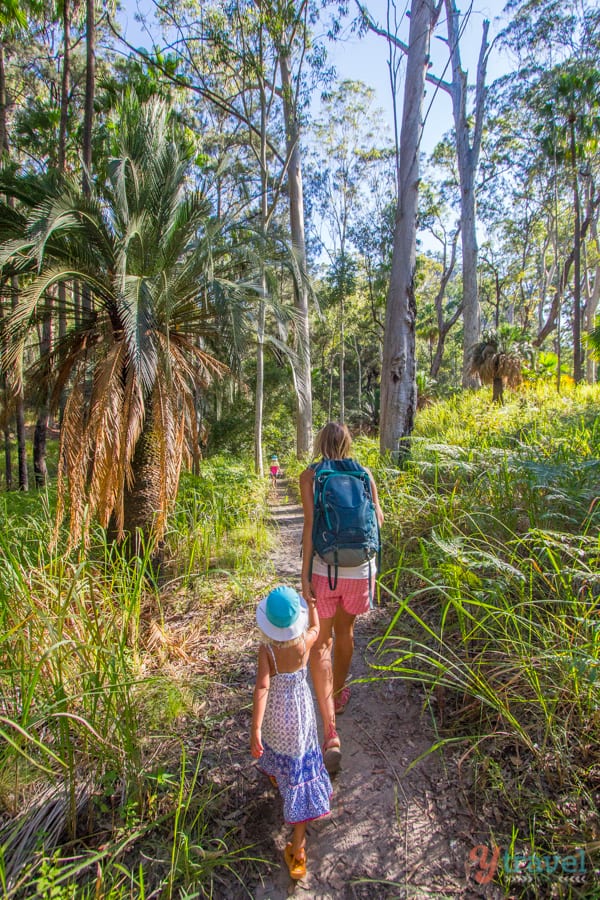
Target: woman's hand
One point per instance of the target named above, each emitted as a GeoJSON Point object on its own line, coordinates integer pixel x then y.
{"type": "Point", "coordinates": [256, 747]}
{"type": "Point", "coordinates": [307, 590]}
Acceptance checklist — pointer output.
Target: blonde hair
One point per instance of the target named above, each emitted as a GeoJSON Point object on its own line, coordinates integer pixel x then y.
{"type": "Point", "coordinates": [333, 441]}
{"type": "Point", "coordinates": [265, 639]}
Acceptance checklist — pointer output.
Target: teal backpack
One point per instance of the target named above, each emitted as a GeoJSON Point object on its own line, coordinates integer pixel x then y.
{"type": "Point", "coordinates": [345, 527]}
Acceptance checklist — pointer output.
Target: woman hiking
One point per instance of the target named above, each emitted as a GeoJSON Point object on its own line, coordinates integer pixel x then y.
{"type": "Point", "coordinates": [339, 599]}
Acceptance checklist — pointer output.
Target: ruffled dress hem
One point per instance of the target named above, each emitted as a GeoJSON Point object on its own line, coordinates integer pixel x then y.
{"type": "Point", "coordinates": [303, 782]}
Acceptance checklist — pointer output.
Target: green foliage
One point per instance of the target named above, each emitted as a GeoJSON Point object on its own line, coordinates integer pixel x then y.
{"type": "Point", "coordinates": [90, 718]}
{"type": "Point", "coordinates": [492, 558]}
{"type": "Point", "coordinates": [218, 521]}
{"type": "Point", "coordinates": [167, 318]}
{"type": "Point", "coordinates": [232, 429]}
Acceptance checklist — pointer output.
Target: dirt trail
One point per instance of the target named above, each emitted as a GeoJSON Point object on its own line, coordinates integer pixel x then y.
{"type": "Point", "coordinates": [392, 833]}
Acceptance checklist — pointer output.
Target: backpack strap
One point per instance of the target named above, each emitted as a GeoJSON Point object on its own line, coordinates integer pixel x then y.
{"type": "Point", "coordinates": [333, 586]}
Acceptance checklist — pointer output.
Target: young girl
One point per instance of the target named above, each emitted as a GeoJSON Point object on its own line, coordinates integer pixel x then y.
{"type": "Point", "coordinates": [284, 730]}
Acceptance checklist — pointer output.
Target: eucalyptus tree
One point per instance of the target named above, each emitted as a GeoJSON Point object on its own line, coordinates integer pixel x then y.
{"type": "Point", "coordinates": [252, 61]}
{"type": "Point", "coordinates": [398, 374]}
{"type": "Point", "coordinates": [468, 132]}
{"type": "Point", "coordinates": [591, 286]}
{"type": "Point", "coordinates": [435, 209]}
{"type": "Point", "coordinates": [573, 108]}
{"type": "Point", "coordinates": [372, 234]}
{"type": "Point", "coordinates": [204, 39]}
{"type": "Point", "coordinates": [150, 253]}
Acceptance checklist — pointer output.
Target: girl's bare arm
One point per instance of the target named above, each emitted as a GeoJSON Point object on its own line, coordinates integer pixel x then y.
{"type": "Point", "coordinates": [312, 632]}
{"type": "Point", "coordinates": [261, 690]}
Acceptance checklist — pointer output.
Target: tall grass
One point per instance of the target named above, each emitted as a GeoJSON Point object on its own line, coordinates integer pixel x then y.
{"type": "Point", "coordinates": [493, 562]}
{"type": "Point", "coordinates": [219, 520]}
{"type": "Point", "coordinates": [90, 762]}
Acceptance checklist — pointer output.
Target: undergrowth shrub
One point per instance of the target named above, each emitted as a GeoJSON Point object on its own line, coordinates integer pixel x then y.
{"type": "Point", "coordinates": [95, 770]}
{"type": "Point", "coordinates": [493, 520]}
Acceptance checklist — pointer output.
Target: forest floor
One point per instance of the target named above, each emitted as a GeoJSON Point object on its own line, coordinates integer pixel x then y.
{"type": "Point", "coordinates": [396, 830]}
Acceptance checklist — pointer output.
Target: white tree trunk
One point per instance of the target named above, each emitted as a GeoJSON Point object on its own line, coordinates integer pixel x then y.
{"type": "Point", "coordinates": [591, 306]}
{"type": "Point", "coordinates": [302, 381]}
{"type": "Point", "coordinates": [468, 130]}
{"type": "Point", "coordinates": [260, 382]}
{"type": "Point", "coordinates": [468, 145]}
{"type": "Point", "coordinates": [471, 309]}
{"type": "Point", "coordinates": [398, 375]}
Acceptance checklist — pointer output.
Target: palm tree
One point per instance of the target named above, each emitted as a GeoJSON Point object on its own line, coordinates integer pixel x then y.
{"type": "Point", "coordinates": [498, 360]}
{"type": "Point", "coordinates": [151, 257]}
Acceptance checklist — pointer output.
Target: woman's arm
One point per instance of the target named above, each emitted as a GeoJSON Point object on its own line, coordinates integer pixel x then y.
{"type": "Point", "coordinates": [375, 495]}
{"type": "Point", "coordinates": [306, 493]}
{"type": "Point", "coordinates": [261, 690]}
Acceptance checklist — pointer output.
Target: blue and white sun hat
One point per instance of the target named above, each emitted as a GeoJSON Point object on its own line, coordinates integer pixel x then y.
{"type": "Point", "coordinates": [282, 615]}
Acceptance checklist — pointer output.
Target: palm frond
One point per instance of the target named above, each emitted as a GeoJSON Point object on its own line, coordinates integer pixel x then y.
{"type": "Point", "coordinates": [136, 310]}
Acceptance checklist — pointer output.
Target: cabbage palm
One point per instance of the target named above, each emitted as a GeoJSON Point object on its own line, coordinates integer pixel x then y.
{"type": "Point", "coordinates": [151, 259]}
{"type": "Point", "coordinates": [498, 360]}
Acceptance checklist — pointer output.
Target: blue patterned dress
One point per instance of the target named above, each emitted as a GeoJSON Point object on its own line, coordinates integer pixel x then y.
{"type": "Point", "coordinates": [291, 747]}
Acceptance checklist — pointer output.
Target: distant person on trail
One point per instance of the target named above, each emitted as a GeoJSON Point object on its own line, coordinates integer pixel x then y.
{"type": "Point", "coordinates": [274, 470]}
{"type": "Point", "coordinates": [284, 727]}
{"type": "Point", "coordinates": [342, 591]}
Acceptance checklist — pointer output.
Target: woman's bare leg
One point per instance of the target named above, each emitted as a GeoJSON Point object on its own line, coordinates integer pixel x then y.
{"type": "Point", "coordinates": [322, 674]}
{"type": "Point", "coordinates": [343, 628]}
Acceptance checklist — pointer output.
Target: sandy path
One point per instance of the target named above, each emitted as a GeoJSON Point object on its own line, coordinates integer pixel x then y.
{"type": "Point", "coordinates": [392, 833]}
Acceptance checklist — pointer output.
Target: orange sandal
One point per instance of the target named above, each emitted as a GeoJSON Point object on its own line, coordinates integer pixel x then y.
{"type": "Point", "coordinates": [295, 864]}
{"type": "Point", "coordinates": [332, 751]}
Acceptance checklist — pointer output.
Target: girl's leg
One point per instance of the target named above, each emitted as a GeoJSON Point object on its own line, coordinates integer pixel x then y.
{"type": "Point", "coordinates": [299, 840]}
{"type": "Point", "coordinates": [295, 853]}
{"type": "Point", "coordinates": [322, 674]}
{"type": "Point", "coordinates": [343, 627]}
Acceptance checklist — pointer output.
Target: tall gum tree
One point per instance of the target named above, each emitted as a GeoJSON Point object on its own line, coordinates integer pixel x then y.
{"type": "Point", "coordinates": [253, 60]}
{"type": "Point", "coordinates": [289, 28]}
{"type": "Point", "coordinates": [398, 375]}
{"type": "Point", "coordinates": [468, 129]}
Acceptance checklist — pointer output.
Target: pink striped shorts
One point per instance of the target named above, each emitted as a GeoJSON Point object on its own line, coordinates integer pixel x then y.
{"type": "Point", "coordinates": [352, 594]}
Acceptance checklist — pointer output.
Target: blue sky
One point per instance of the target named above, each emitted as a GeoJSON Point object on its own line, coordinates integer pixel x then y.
{"type": "Point", "coordinates": [365, 59]}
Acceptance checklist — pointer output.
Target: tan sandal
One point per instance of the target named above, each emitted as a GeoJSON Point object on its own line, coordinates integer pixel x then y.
{"type": "Point", "coordinates": [332, 751]}
{"type": "Point", "coordinates": [341, 701]}
{"type": "Point", "coordinates": [296, 864]}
